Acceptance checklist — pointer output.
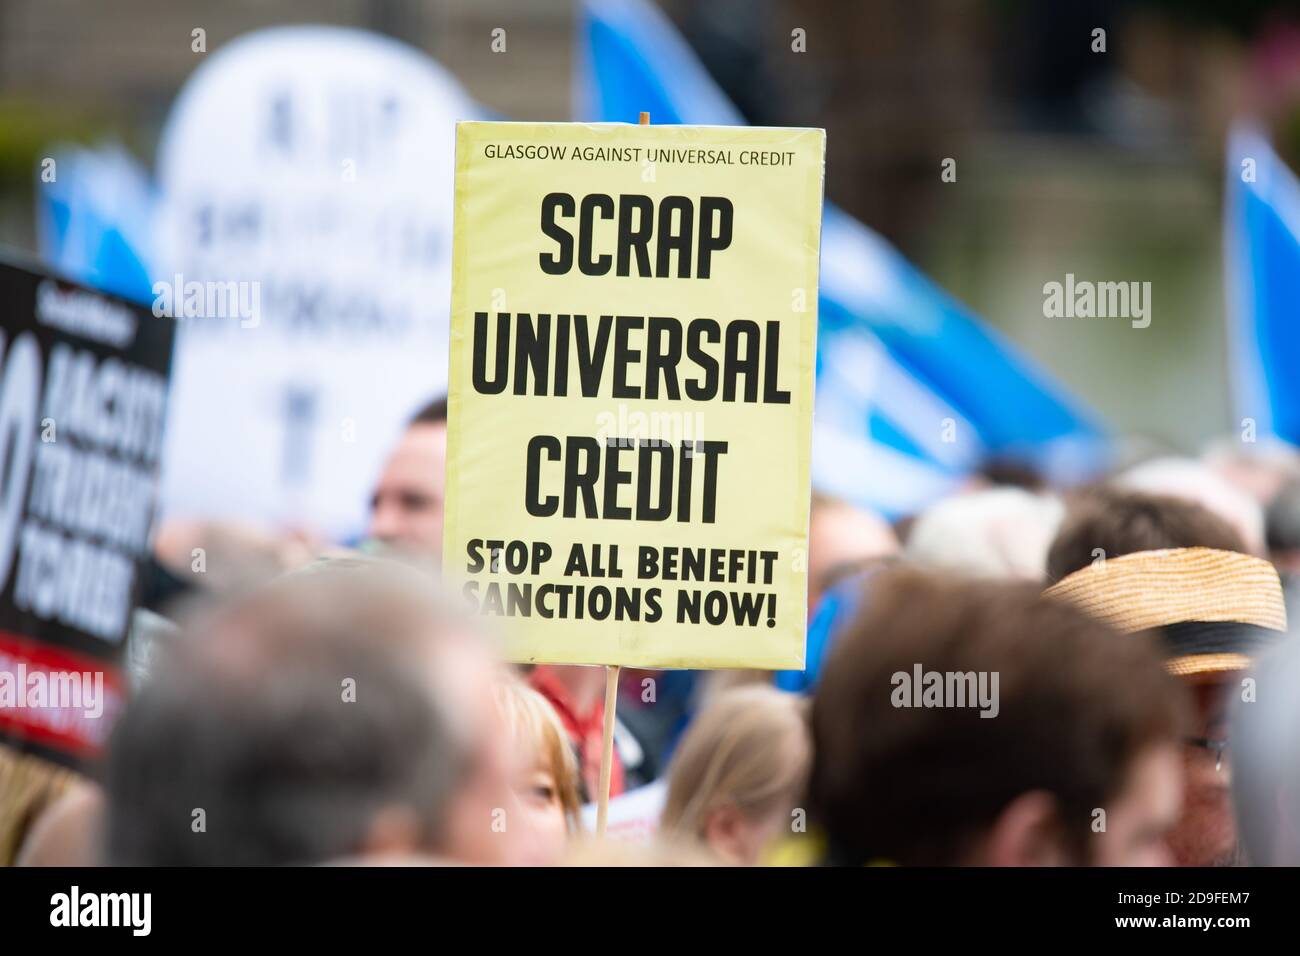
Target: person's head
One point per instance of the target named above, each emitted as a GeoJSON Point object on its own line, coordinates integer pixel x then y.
{"type": "Point", "coordinates": [406, 507]}
{"type": "Point", "coordinates": [1199, 483]}
{"type": "Point", "coordinates": [841, 537]}
{"type": "Point", "coordinates": [464, 671]}
{"type": "Point", "coordinates": [335, 714]}
{"type": "Point", "coordinates": [1107, 522]}
{"type": "Point", "coordinates": [1213, 612]}
{"type": "Point", "coordinates": [738, 772]}
{"type": "Point", "coordinates": [996, 533]}
{"type": "Point", "coordinates": [1259, 468]}
{"type": "Point", "coordinates": [1282, 527]}
{"type": "Point", "coordinates": [963, 722]}
{"type": "Point", "coordinates": [546, 773]}
{"type": "Point", "coordinates": [1265, 740]}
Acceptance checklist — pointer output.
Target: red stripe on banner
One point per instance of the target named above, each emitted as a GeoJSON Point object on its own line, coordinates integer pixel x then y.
{"type": "Point", "coordinates": [78, 706]}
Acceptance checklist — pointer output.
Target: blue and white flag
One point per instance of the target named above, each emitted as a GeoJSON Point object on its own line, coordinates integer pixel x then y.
{"type": "Point", "coordinates": [93, 219]}
{"type": "Point", "coordinates": [913, 391]}
{"type": "Point", "coordinates": [1262, 267]}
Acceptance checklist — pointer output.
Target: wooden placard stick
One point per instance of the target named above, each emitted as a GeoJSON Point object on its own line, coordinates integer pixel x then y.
{"type": "Point", "coordinates": [607, 748]}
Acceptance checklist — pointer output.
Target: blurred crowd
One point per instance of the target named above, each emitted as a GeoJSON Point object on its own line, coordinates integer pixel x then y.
{"type": "Point", "coordinates": [1018, 675]}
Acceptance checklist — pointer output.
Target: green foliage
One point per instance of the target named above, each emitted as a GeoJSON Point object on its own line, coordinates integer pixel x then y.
{"type": "Point", "coordinates": [30, 130]}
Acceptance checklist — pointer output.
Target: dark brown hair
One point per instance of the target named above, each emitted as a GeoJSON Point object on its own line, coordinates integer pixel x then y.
{"type": "Point", "coordinates": [1123, 522]}
{"type": "Point", "coordinates": [434, 413]}
{"type": "Point", "coordinates": [1077, 702]}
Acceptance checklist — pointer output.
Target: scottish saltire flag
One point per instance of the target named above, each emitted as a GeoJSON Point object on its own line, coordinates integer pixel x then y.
{"type": "Point", "coordinates": [94, 213]}
{"type": "Point", "coordinates": [1262, 267]}
{"type": "Point", "coordinates": [913, 391]}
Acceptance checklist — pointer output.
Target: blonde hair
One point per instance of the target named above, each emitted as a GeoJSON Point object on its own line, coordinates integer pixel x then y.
{"type": "Point", "coordinates": [534, 723]}
{"type": "Point", "coordinates": [750, 748]}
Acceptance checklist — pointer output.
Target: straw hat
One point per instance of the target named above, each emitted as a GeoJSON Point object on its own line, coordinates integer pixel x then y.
{"type": "Point", "coordinates": [1215, 609]}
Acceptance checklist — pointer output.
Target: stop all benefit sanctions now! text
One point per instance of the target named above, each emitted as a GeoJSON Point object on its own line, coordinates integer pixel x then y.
{"type": "Point", "coordinates": [601, 602]}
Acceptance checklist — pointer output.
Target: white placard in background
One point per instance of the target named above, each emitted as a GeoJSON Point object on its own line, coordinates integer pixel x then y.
{"type": "Point", "coordinates": [312, 167]}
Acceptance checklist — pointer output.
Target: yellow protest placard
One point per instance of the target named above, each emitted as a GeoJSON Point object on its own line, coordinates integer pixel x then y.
{"type": "Point", "coordinates": [633, 329]}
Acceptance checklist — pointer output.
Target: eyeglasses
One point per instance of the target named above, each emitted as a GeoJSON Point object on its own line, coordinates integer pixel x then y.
{"type": "Point", "coordinates": [1216, 747]}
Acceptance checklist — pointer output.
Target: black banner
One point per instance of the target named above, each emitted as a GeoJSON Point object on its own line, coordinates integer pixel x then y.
{"type": "Point", "coordinates": [83, 393]}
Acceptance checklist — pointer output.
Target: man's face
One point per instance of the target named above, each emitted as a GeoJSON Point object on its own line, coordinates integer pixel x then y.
{"type": "Point", "coordinates": [464, 675]}
{"type": "Point", "coordinates": [1206, 835]}
{"type": "Point", "coordinates": [841, 535]}
{"type": "Point", "coordinates": [1140, 821]}
{"type": "Point", "coordinates": [406, 510]}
